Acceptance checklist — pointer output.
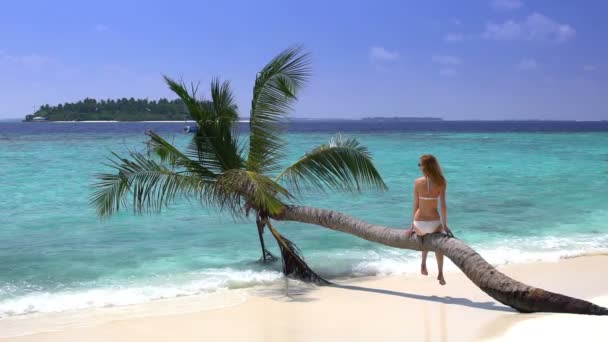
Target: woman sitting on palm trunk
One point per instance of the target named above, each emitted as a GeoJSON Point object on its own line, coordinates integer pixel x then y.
{"type": "Point", "coordinates": [429, 190]}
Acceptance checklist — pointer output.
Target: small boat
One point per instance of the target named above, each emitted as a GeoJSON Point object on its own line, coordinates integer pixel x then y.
{"type": "Point", "coordinates": [190, 129]}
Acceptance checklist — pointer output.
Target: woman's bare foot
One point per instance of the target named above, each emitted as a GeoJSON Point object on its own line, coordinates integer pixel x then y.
{"type": "Point", "coordinates": [441, 280]}
{"type": "Point", "coordinates": [423, 270]}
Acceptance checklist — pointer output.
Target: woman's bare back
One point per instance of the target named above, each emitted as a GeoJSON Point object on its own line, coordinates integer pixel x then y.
{"type": "Point", "coordinates": [428, 199]}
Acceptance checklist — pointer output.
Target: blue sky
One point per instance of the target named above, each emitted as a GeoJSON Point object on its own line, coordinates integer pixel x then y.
{"type": "Point", "coordinates": [473, 59]}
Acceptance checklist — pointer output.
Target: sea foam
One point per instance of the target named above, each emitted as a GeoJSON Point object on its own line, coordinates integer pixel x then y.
{"type": "Point", "coordinates": [344, 263]}
{"type": "Point", "coordinates": [209, 281]}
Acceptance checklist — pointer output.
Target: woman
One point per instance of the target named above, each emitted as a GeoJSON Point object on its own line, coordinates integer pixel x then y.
{"type": "Point", "coordinates": [429, 190]}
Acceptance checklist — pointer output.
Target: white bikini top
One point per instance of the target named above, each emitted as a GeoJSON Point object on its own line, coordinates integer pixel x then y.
{"type": "Point", "coordinates": [428, 189]}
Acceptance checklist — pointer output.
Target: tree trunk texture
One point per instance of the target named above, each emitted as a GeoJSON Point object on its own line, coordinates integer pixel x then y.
{"type": "Point", "coordinates": [266, 255]}
{"type": "Point", "coordinates": [519, 296]}
{"type": "Point", "coordinates": [293, 261]}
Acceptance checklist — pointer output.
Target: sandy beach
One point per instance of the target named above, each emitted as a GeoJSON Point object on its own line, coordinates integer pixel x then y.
{"type": "Point", "coordinates": [395, 308]}
{"type": "Point", "coordinates": [179, 171]}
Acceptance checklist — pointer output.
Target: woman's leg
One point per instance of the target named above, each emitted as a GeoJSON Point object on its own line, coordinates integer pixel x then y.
{"type": "Point", "coordinates": [439, 257]}
{"type": "Point", "coordinates": [423, 265]}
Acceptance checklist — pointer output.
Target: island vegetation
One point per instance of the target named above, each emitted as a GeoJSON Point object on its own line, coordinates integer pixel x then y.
{"type": "Point", "coordinates": [112, 110]}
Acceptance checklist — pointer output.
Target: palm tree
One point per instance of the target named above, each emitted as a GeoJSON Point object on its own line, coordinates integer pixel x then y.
{"type": "Point", "coordinates": [215, 170]}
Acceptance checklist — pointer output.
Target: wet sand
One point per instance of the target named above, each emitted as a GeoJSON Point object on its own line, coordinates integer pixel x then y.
{"type": "Point", "coordinates": [395, 308]}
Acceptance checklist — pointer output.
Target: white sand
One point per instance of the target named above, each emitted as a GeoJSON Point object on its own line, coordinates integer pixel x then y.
{"type": "Point", "coordinates": [557, 327]}
{"type": "Point", "coordinates": [398, 308]}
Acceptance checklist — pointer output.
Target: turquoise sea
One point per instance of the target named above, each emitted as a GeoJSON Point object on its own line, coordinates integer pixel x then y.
{"type": "Point", "coordinates": [515, 195]}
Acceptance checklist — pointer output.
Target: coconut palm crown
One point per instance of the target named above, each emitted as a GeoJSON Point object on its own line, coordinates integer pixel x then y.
{"type": "Point", "coordinates": [218, 171]}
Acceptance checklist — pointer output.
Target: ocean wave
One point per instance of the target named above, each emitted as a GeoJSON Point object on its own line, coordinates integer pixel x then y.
{"type": "Point", "coordinates": [344, 263]}
{"type": "Point", "coordinates": [390, 261]}
{"type": "Point", "coordinates": [208, 281]}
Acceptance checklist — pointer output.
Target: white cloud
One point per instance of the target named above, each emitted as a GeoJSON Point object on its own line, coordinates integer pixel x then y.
{"type": "Point", "coordinates": [380, 54]}
{"type": "Point", "coordinates": [527, 64]}
{"type": "Point", "coordinates": [448, 72]}
{"type": "Point", "coordinates": [446, 60]}
{"type": "Point", "coordinates": [454, 37]}
{"type": "Point", "coordinates": [35, 61]}
{"type": "Point", "coordinates": [101, 28]}
{"type": "Point", "coordinates": [446, 64]}
{"type": "Point", "coordinates": [589, 67]}
{"type": "Point", "coordinates": [456, 21]}
{"type": "Point", "coordinates": [506, 5]}
{"type": "Point", "coordinates": [31, 61]}
{"type": "Point", "coordinates": [535, 27]}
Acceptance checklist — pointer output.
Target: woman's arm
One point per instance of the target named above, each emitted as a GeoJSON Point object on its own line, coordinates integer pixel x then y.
{"type": "Point", "coordinates": [444, 210]}
{"type": "Point", "coordinates": [444, 207]}
{"type": "Point", "coordinates": [415, 205]}
{"type": "Point", "coordinates": [410, 231]}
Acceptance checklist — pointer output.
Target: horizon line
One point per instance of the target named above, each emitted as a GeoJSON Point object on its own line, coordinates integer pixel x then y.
{"type": "Point", "coordinates": [246, 119]}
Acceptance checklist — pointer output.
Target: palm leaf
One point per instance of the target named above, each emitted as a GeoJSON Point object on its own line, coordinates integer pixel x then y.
{"type": "Point", "coordinates": [258, 191]}
{"type": "Point", "coordinates": [293, 260]}
{"type": "Point", "coordinates": [223, 102]}
{"type": "Point", "coordinates": [151, 186]}
{"type": "Point", "coordinates": [215, 143]}
{"type": "Point", "coordinates": [274, 92]}
{"type": "Point", "coordinates": [223, 130]}
{"type": "Point", "coordinates": [169, 154]}
{"type": "Point", "coordinates": [343, 164]}
{"type": "Point", "coordinates": [199, 110]}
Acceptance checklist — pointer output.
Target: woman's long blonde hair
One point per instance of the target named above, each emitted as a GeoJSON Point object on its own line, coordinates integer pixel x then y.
{"type": "Point", "coordinates": [431, 169]}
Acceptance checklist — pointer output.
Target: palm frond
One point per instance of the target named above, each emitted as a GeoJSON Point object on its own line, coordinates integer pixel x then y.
{"type": "Point", "coordinates": [150, 185]}
{"type": "Point", "coordinates": [293, 260]}
{"type": "Point", "coordinates": [167, 153]}
{"type": "Point", "coordinates": [274, 92]}
{"type": "Point", "coordinates": [198, 110]}
{"type": "Point", "coordinates": [214, 144]}
{"type": "Point", "coordinates": [343, 164]}
{"type": "Point", "coordinates": [224, 104]}
{"type": "Point", "coordinates": [258, 191]}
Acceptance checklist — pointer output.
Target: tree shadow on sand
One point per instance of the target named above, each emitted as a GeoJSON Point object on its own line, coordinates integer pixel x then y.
{"type": "Point", "coordinates": [445, 300]}
{"type": "Point", "coordinates": [292, 291]}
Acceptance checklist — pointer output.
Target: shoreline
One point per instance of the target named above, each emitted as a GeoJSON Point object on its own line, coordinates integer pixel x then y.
{"type": "Point", "coordinates": [386, 307]}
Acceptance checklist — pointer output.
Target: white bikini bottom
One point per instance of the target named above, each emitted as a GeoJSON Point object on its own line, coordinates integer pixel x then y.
{"type": "Point", "coordinates": [427, 227]}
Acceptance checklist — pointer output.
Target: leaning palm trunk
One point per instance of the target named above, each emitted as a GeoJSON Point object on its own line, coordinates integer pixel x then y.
{"type": "Point", "coordinates": [519, 296]}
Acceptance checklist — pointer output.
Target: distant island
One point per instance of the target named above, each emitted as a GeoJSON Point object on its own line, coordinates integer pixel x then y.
{"type": "Point", "coordinates": [112, 110]}
{"type": "Point", "coordinates": [402, 118]}
{"type": "Point", "coordinates": [132, 109]}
